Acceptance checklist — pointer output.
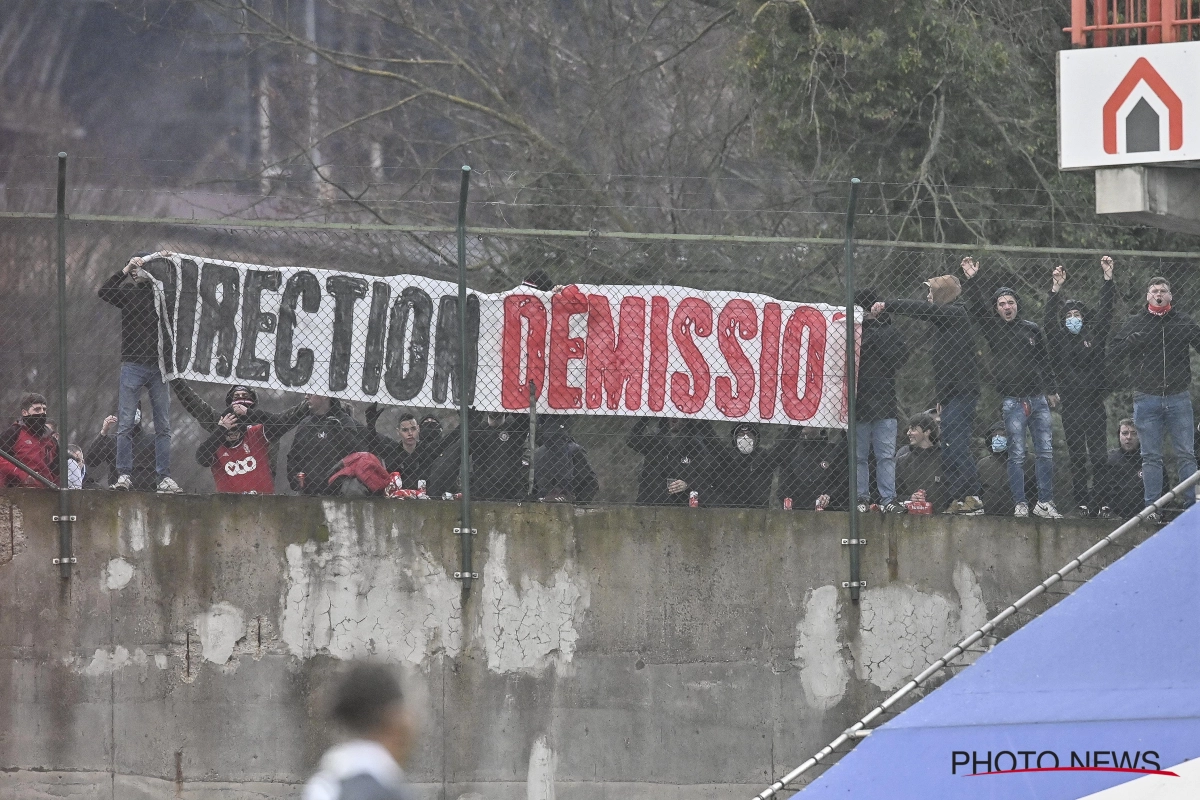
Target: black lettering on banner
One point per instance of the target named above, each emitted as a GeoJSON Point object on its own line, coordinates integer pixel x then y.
{"type": "Point", "coordinates": [402, 383]}
{"type": "Point", "coordinates": [975, 762]}
{"type": "Point", "coordinates": [1096, 759]}
{"type": "Point", "coordinates": [301, 286]}
{"type": "Point", "coordinates": [256, 321]}
{"type": "Point", "coordinates": [1027, 754]}
{"type": "Point", "coordinates": [217, 318]}
{"type": "Point", "coordinates": [185, 315]}
{"type": "Point", "coordinates": [1047, 753]}
{"type": "Point", "coordinates": [381, 294]}
{"type": "Point", "coordinates": [446, 365]}
{"type": "Point", "coordinates": [1151, 763]}
{"type": "Point", "coordinates": [346, 292]}
{"type": "Point", "coordinates": [1010, 755]}
{"type": "Point", "coordinates": [1076, 761]}
{"type": "Point", "coordinates": [955, 763]}
{"type": "Point", "coordinates": [164, 271]}
{"type": "Point", "coordinates": [1125, 762]}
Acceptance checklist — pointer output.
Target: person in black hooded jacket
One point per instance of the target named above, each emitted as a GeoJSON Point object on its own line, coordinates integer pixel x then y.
{"type": "Point", "coordinates": [1022, 375]}
{"type": "Point", "coordinates": [883, 352]}
{"type": "Point", "coordinates": [1076, 339]}
{"type": "Point", "coordinates": [561, 468]}
{"type": "Point", "coordinates": [244, 402]}
{"type": "Point", "coordinates": [744, 470]}
{"type": "Point", "coordinates": [676, 461]}
{"type": "Point", "coordinates": [499, 471]}
{"type": "Point", "coordinates": [813, 469]}
{"type": "Point", "coordinates": [321, 442]}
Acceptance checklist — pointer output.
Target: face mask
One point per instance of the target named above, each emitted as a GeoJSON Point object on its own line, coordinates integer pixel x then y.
{"type": "Point", "coordinates": [999, 444]}
{"type": "Point", "coordinates": [36, 424]}
{"type": "Point", "coordinates": [745, 445]}
{"type": "Point", "coordinates": [1074, 324]}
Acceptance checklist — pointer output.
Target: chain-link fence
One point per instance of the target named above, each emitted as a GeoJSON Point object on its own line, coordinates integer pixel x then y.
{"type": "Point", "coordinates": [665, 369]}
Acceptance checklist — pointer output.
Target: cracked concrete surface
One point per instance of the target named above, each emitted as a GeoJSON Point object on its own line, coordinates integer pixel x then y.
{"type": "Point", "coordinates": [527, 628]}
{"type": "Point", "coordinates": [220, 629]}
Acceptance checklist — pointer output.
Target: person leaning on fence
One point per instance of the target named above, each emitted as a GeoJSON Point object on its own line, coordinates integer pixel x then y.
{"type": "Point", "coordinates": [499, 470]}
{"type": "Point", "coordinates": [676, 461]}
{"type": "Point", "coordinates": [744, 470]}
{"type": "Point", "coordinates": [406, 454]}
{"type": "Point", "coordinates": [1158, 341]}
{"type": "Point", "coordinates": [956, 375]}
{"type": "Point", "coordinates": [993, 472]}
{"type": "Point", "coordinates": [562, 472]}
{"type": "Point", "coordinates": [1119, 490]}
{"type": "Point", "coordinates": [432, 436]}
{"type": "Point", "coordinates": [77, 474]}
{"type": "Point", "coordinates": [238, 453]}
{"type": "Point", "coordinates": [102, 454]}
{"type": "Point", "coordinates": [29, 441]}
{"type": "Point", "coordinates": [1021, 373]}
{"type": "Point", "coordinates": [322, 440]}
{"type": "Point", "coordinates": [919, 464]}
{"type": "Point", "coordinates": [369, 704]}
{"type": "Point", "coordinates": [145, 344]}
{"type": "Point", "coordinates": [243, 400]}
{"type": "Point", "coordinates": [813, 469]}
{"type": "Point", "coordinates": [883, 352]}
{"type": "Point", "coordinates": [1076, 339]}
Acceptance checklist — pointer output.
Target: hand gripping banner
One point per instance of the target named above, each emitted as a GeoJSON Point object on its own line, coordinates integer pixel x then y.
{"type": "Point", "coordinates": [619, 350]}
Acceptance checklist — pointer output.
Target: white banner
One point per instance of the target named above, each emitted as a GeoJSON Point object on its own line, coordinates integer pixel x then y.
{"type": "Point", "coordinates": [623, 350]}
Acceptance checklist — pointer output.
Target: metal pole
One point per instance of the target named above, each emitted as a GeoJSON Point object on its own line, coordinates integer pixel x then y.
{"type": "Point", "coordinates": [464, 467]}
{"type": "Point", "coordinates": [532, 435]}
{"type": "Point", "coordinates": [65, 559]}
{"type": "Point", "coordinates": [851, 389]}
{"type": "Point", "coordinates": [28, 470]}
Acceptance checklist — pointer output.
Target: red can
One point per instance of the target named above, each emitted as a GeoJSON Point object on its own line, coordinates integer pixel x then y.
{"type": "Point", "coordinates": [300, 480]}
{"type": "Point", "coordinates": [694, 499]}
{"type": "Point", "coordinates": [787, 504]}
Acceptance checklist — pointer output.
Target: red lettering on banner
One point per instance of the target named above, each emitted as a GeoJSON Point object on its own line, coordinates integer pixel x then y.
{"type": "Point", "coordinates": [564, 348]}
{"type": "Point", "coordinates": [660, 310]}
{"type": "Point", "coordinates": [615, 362]}
{"type": "Point", "coordinates": [688, 392]}
{"type": "Point", "coordinates": [514, 392]}
{"type": "Point", "coordinates": [801, 407]}
{"type": "Point", "coordinates": [738, 319]}
{"type": "Point", "coordinates": [768, 360]}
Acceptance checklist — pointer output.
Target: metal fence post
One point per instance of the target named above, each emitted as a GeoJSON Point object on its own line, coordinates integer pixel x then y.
{"type": "Point", "coordinates": [464, 467]}
{"type": "Point", "coordinates": [851, 390]}
{"type": "Point", "coordinates": [65, 559]}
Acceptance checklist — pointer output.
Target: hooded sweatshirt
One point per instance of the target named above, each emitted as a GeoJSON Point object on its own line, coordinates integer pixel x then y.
{"type": "Point", "coordinates": [357, 770]}
{"type": "Point", "coordinates": [952, 340]}
{"type": "Point", "coordinates": [320, 444]}
{"type": "Point", "coordinates": [743, 480]}
{"type": "Point", "coordinates": [1078, 360]}
{"type": "Point", "coordinates": [884, 352]}
{"type": "Point", "coordinates": [1019, 364]}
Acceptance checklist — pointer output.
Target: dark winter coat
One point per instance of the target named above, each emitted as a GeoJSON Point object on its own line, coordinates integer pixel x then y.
{"type": "Point", "coordinates": [810, 468]}
{"type": "Point", "coordinates": [951, 345]}
{"type": "Point", "coordinates": [139, 317]}
{"type": "Point", "coordinates": [1019, 364]}
{"type": "Point", "coordinates": [499, 470]}
{"type": "Point", "coordinates": [684, 454]}
{"type": "Point", "coordinates": [921, 469]}
{"type": "Point", "coordinates": [562, 468]}
{"type": "Point", "coordinates": [413, 467]}
{"type": "Point", "coordinates": [883, 353]}
{"type": "Point", "coordinates": [1158, 351]}
{"type": "Point", "coordinates": [1079, 360]}
{"type": "Point", "coordinates": [743, 480]}
{"type": "Point", "coordinates": [320, 444]}
{"type": "Point", "coordinates": [1121, 487]}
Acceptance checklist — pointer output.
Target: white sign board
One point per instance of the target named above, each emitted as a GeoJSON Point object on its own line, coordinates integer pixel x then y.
{"type": "Point", "coordinates": [1128, 105]}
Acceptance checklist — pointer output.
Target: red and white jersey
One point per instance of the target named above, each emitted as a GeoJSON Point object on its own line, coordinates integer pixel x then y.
{"type": "Point", "coordinates": [246, 467]}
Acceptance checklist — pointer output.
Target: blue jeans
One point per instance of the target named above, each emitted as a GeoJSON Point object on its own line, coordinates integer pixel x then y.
{"type": "Point", "coordinates": [133, 378]}
{"type": "Point", "coordinates": [881, 435]}
{"type": "Point", "coordinates": [1038, 421]}
{"type": "Point", "coordinates": [957, 420]}
{"type": "Point", "coordinates": [1154, 415]}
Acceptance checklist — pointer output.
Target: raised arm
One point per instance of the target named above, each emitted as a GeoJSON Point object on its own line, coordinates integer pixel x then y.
{"type": "Point", "coordinates": [1108, 297]}
{"type": "Point", "coordinates": [194, 404]}
{"type": "Point", "coordinates": [1054, 303]}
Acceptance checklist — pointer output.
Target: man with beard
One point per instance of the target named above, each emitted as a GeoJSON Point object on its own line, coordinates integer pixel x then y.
{"type": "Point", "coordinates": [32, 443]}
{"type": "Point", "coordinates": [145, 345]}
{"type": "Point", "coordinates": [744, 470]}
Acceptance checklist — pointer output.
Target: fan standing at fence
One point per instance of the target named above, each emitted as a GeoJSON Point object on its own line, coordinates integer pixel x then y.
{"type": "Point", "coordinates": [1158, 341]}
{"type": "Point", "coordinates": [956, 375]}
{"type": "Point", "coordinates": [238, 453]}
{"type": "Point", "coordinates": [1021, 374]}
{"type": "Point", "coordinates": [1076, 339]}
{"type": "Point", "coordinates": [883, 353]}
{"type": "Point", "coordinates": [145, 344]}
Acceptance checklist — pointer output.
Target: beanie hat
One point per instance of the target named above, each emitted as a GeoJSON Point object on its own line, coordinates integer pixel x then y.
{"type": "Point", "coordinates": [945, 289]}
{"type": "Point", "coordinates": [996, 428]}
{"type": "Point", "coordinates": [744, 427]}
{"type": "Point", "coordinates": [1076, 305]}
{"type": "Point", "coordinates": [866, 297]}
{"type": "Point", "coordinates": [239, 388]}
{"type": "Point", "coordinates": [1003, 290]}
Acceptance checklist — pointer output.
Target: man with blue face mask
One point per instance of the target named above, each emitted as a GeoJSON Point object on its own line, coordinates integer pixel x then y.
{"type": "Point", "coordinates": [1077, 340]}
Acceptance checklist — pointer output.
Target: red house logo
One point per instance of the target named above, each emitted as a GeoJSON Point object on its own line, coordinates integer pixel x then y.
{"type": "Point", "coordinates": [1142, 122]}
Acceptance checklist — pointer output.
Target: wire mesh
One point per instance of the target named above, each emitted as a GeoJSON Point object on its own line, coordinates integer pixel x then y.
{"type": "Point", "coordinates": [667, 369]}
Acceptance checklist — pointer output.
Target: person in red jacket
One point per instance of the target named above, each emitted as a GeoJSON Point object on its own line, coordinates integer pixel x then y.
{"type": "Point", "coordinates": [32, 443]}
{"type": "Point", "coordinates": [239, 456]}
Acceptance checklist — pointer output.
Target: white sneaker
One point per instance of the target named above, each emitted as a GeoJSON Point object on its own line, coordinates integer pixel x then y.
{"type": "Point", "coordinates": [1047, 511]}
{"type": "Point", "coordinates": [168, 486]}
{"type": "Point", "coordinates": [124, 483]}
{"type": "Point", "coordinates": [1022, 510]}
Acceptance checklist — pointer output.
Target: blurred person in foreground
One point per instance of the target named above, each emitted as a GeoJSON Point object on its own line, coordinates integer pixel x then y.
{"type": "Point", "coordinates": [369, 705]}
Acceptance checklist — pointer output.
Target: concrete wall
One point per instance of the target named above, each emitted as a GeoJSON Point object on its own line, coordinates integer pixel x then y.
{"type": "Point", "coordinates": [615, 652]}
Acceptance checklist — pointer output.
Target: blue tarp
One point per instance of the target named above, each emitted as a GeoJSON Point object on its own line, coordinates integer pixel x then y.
{"type": "Point", "coordinates": [1109, 674]}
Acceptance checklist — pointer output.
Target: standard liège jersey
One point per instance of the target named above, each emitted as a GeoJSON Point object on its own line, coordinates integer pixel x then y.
{"type": "Point", "coordinates": [246, 467]}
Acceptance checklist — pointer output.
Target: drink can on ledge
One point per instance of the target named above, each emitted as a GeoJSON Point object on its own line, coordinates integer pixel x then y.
{"type": "Point", "coordinates": [787, 504]}
{"type": "Point", "coordinates": [693, 499]}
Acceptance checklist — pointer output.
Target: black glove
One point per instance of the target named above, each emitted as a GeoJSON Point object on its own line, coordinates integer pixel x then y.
{"type": "Point", "coordinates": [374, 412]}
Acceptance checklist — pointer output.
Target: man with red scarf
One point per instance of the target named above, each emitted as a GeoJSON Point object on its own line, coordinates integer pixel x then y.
{"type": "Point", "coordinates": [1158, 341]}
